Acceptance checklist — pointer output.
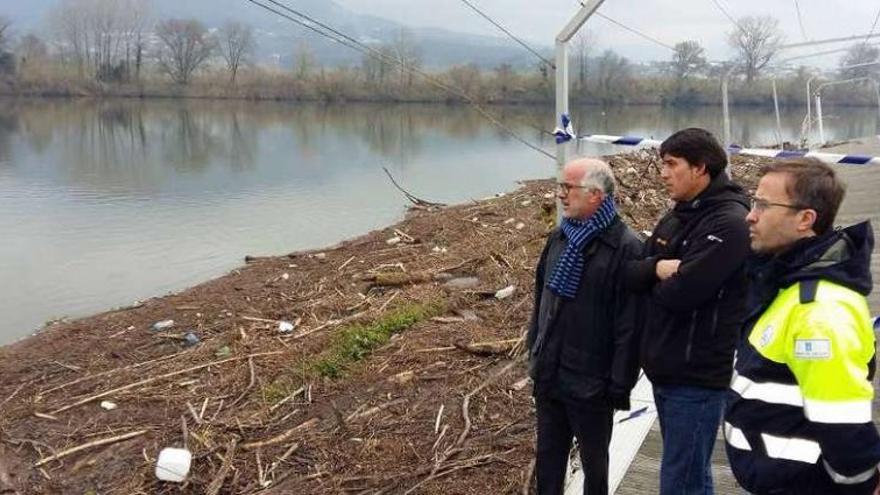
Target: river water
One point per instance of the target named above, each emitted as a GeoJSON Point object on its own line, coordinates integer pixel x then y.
{"type": "Point", "coordinates": [103, 203]}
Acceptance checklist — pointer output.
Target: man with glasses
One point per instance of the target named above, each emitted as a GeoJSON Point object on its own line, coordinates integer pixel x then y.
{"type": "Point", "coordinates": [799, 412]}
{"type": "Point", "coordinates": [694, 283]}
{"type": "Point", "coordinates": [583, 351]}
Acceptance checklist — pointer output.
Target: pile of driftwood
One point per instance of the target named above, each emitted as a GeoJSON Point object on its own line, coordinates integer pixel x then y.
{"type": "Point", "coordinates": [391, 363]}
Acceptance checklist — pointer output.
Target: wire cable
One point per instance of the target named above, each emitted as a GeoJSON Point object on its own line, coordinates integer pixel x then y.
{"type": "Point", "coordinates": [636, 32]}
{"type": "Point", "coordinates": [508, 33]}
{"type": "Point", "coordinates": [727, 14]}
{"type": "Point", "coordinates": [345, 40]}
{"type": "Point", "coordinates": [800, 19]}
{"type": "Point", "coordinates": [632, 30]}
{"type": "Point", "coordinates": [873, 27]}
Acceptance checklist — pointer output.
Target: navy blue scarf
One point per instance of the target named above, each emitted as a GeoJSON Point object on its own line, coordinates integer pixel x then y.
{"type": "Point", "coordinates": [566, 276]}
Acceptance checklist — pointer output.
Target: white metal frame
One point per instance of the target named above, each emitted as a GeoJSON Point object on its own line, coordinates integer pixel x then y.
{"type": "Point", "coordinates": [562, 80]}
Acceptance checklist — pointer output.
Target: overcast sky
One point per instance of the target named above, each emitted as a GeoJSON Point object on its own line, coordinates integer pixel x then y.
{"type": "Point", "coordinates": [669, 21]}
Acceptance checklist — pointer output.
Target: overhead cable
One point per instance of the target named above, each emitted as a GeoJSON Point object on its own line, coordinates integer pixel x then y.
{"type": "Point", "coordinates": [636, 32]}
{"type": "Point", "coordinates": [346, 40]}
{"type": "Point", "coordinates": [508, 33]}
{"type": "Point", "coordinates": [800, 20]}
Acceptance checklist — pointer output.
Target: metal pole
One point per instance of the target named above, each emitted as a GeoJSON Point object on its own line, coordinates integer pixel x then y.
{"type": "Point", "coordinates": [809, 110]}
{"type": "Point", "coordinates": [561, 109]}
{"type": "Point", "coordinates": [562, 81]}
{"type": "Point", "coordinates": [725, 108]}
{"type": "Point", "coordinates": [877, 92]}
{"type": "Point", "coordinates": [819, 101]}
{"type": "Point", "coordinates": [778, 120]}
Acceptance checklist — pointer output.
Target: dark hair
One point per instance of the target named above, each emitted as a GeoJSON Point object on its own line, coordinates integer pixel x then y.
{"type": "Point", "coordinates": [698, 147]}
{"type": "Point", "coordinates": [811, 184]}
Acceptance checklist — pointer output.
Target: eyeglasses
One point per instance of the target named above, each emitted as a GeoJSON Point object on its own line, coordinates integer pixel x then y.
{"type": "Point", "coordinates": [761, 205]}
{"type": "Point", "coordinates": [565, 187]}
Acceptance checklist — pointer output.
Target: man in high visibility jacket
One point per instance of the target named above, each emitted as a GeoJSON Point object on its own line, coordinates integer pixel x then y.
{"type": "Point", "coordinates": [798, 416]}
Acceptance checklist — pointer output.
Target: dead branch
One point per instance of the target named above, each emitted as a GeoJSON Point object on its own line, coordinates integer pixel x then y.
{"type": "Point", "coordinates": [486, 348]}
{"type": "Point", "coordinates": [330, 324]}
{"type": "Point", "coordinates": [286, 399]}
{"type": "Point", "coordinates": [161, 377]}
{"type": "Point", "coordinates": [373, 410]}
{"type": "Point", "coordinates": [397, 279]}
{"type": "Point", "coordinates": [287, 453]}
{"type": "Point", "coordinates": [282, 437]}
{"type": "Point", "coordinates": [89, 445]}
{"type": "Point", "coordinates": [11, 396]}
{"type": "Point", "coordinates": [108, 372]}
{"type": "Point", "coordinates": [415, 200]}
{"type": "Point", "coordinates": [465, 404]}
{"type": "Point", "coordinates": [249, 386]}
{"type": "Point", "coordinates": [217, 483]}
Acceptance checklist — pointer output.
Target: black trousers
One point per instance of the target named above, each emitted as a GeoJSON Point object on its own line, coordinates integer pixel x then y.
{"type": "Point", "coordinates": [558, 422]}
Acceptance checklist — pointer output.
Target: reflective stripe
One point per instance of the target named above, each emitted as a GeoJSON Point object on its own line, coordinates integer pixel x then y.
{"type": "Point", "coordinates": [735, 437]}
{"type": "Point", "coordinates": [792, 449]}
{"type": "Point", "coordinates": [856, 411]}
{"type": "Point", "coordinates": [774, 393]}
{"type": "Point", "coordinates": [849, 480]}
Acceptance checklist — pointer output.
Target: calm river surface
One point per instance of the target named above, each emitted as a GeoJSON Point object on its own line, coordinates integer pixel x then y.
{"type": "Point", "coordinates": [103, 203]}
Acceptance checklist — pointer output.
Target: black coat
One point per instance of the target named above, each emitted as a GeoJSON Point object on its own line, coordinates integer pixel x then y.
{"type": "Point", "coordinates": [586, 348]}
{"type": "Point", "coordinates": [692, 320]}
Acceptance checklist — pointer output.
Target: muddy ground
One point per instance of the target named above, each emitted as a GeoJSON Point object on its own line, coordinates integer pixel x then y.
{"type": "Point", "coordinates": [404, 373]}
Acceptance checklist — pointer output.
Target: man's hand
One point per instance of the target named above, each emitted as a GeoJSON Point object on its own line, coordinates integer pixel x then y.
{"type": "Point", "coordinates": [667, 268]}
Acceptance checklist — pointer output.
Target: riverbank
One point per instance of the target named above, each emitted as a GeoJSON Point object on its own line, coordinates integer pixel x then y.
{"type": "Point", "coordinates": [341, 86]}
{"type": "Point", "coordinates": [399, 373]}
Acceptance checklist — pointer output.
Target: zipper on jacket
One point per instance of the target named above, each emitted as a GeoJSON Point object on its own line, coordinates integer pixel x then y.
{"type": "Point", "coordinates": [690, 345]}
{"type": "Point", "coordinates": [715, 311]}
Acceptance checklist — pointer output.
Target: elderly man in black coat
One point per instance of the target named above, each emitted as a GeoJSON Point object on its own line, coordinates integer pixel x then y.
{"type": "Point", "coordinates": [583, 347]}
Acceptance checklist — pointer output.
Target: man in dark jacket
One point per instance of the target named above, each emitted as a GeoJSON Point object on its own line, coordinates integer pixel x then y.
{"type": "Point", "coordinates": [694, 281]}
{"type": "Point", "coordinates": [583, 351]}
{"type": "Point", "coordinates": [799, 412]}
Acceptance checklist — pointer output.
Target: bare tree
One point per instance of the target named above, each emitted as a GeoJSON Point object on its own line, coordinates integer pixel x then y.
{"type": "Point", "coordinates": [613, 71]}
{"type": "Point", "coordinates": [237, 46]}
{"type": "Point", "coordinates": [7, 61]}
{"type": "Point", "coordinates": [378, 67]}
{"type": "Point", "coordinates": [405, 52]}
{"type": "Point", "coordinates": [99, 36]}
{"type": "Point", "coordinates": [303, 60]}
{"type": "Point", "coordinates": [583, 45]}
{"type": "Point", "coordinates": [757, 40]}
{"type": "Point", "coordinates": [186, 46]}
{"type": "Point", "coordinates": [689, 59]}
{"type": "Point", "coordinates": [5, 29]}
{"type": "Point", "coordinates": [860, 54]}
{"type": "Point", "coordinates": [505, 79]}
{"type": "Point", "coordinates": [136, 23]}
{"type": "Point", "coordinates": [31, 47]}
{"type": "Point", "coordinates": [467, 78]}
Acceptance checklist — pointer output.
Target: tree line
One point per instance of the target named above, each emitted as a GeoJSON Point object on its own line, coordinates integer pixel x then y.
{"type": "Point", "coordinates": [118, 47]}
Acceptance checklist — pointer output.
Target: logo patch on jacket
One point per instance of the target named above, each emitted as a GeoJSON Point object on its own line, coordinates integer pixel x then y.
{"type": "Point", "coordinates": [812, 349]}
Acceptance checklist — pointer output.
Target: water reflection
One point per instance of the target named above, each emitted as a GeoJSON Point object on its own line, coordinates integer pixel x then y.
{"type": "Point", "coordinates": [153, 196]}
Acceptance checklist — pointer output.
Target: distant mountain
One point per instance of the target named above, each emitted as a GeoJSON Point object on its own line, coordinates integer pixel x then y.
{"type": "Point", "coordinates": [278, 38]}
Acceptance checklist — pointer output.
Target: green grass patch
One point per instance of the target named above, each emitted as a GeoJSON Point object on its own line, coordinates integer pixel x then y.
{"type": "Point", "coordinates": [354, 343]}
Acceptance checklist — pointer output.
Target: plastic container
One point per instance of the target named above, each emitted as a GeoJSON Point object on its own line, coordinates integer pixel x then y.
{"type": "Point", "coordinates": [173, 464]}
